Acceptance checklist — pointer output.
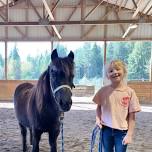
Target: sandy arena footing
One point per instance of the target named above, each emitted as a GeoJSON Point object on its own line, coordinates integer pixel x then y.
{"type": "Point", "coordinates": [78, 125]}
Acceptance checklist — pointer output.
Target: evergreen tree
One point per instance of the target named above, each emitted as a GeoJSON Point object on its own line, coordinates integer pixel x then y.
{"type": "Point", "coordinates": [1, 67]}
{"type": "Point", "coordinates": [62, 51]}
{"type": "Point", "coordinates": [34, 66]}
{"type": "Point", "coordinates": [110, 52]}
{"type": "Point", "coordinates": [1, 61]}
{"type": "Point", "coordinates": [123, 51]}
{"type": "Point", "coordinates": [119, 50]}
{"type": "Point", "coordinates": [139, 60]}
{"type": "Point", "coordinates": [89, 62]}
{"type": "Point", "coordinates": [96, 63]}
{"type": "Point", "coordinates": [15, 64]}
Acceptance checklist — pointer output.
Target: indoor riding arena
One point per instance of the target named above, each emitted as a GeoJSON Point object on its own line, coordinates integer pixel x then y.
{"type": "Point", "coordinates": [96, 32]}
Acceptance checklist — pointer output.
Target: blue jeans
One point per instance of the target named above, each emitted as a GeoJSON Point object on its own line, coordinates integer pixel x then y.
{"type": "Point", "coordinates": [112, 139]}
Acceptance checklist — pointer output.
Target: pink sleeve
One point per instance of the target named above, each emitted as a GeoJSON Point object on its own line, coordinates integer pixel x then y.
{"type": "Point", "coordinates": [97, 98]}
{"type": "Point", "coordinates": [134, 105]}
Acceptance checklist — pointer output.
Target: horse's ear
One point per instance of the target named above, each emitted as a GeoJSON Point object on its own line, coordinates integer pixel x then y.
{"type": "Point", "coordinates": [54, 54]}
{"type": "Point", "coordinates": [71, 55]}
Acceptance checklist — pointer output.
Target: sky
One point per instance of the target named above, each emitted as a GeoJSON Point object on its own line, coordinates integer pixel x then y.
{"type": "Point", "coordinates": [34, 48]}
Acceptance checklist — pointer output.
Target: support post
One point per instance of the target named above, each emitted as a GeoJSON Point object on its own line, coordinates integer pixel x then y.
{"type": "Point", "coordinates": [6, 60]}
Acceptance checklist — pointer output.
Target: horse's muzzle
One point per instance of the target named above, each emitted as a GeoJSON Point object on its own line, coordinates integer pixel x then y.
{"type": "Point", "coordinates": [65, 105]}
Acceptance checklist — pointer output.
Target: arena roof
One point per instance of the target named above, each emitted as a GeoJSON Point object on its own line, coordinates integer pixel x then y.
{"type": "Point", "coordinates": [75, 20]}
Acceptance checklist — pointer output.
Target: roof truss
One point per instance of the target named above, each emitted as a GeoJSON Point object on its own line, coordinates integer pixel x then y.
{"type": "Point", "coordinates": [48, 19]}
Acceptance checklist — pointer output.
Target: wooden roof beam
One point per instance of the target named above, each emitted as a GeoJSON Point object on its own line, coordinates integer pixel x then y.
{"type": "Point", "coordinates": [2, 2]}
{"type": "Point", "coordinates": [125, 3]}
{"type": "Point", "coordinates": [37, 13]}
{"type": "Point", "coordinates": [93, 9]}
{"type": "Point", "coordinates": [118, 18]}
{"type": "Point", "coordinates": [131, 26]}
{"type": "Point", "coordinates": [134, 3]}
{"type": "Point", "coordinates": [70, 16]}
{"type": "Point", "coordinates": [7, 11]}
{"type": "Point", "coordinates": [138, 9]}
{"type": "Point", "coordinates": [145, 10]}
{"type": "Point", "coordinates": [54, 7]}
{"type": "Point", "coordinates": [92, 27]}
{"type": "Point", "coordinates": [83, 10]}
{"type": "Point", "coordinates": [17, 28]}
{"type": "Point", "coordinates": [27, 17]}
{"type": "Point", "coordinates": [105, 26]}
{"type": "Point", "coordinates": [148, 7]}
{"type": "Point", "coordinates": [52, 18]}
{"type": "Point", "coordinates": [96, 22]}
{"type": "Point", "coordinates": [121, 4]}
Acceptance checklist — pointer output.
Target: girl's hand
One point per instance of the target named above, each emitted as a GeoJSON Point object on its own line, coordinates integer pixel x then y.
{"type": "Point", "coordinates": [98, 122]}
{"type": "Point", "coordinates": [127, 140]}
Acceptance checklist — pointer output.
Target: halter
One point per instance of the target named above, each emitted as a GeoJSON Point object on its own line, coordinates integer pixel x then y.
{"type": "Point", "coordinates": [62, 114]}
{"type": "Point", "coordinates": [60, 87]}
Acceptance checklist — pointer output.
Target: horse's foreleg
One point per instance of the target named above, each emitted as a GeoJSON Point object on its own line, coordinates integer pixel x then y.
{"type": "Point", "coordinates": [36, 139]}
{"type": "Point", "coordinates": [30, 136]}
{"type": "Point", "coordinates": [23, 132]}
{"type": "Point", "coordinates": [52, 140]}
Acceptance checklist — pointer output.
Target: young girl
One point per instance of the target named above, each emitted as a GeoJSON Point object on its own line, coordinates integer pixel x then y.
{"type": "Point", "coordinates": [116, 107]}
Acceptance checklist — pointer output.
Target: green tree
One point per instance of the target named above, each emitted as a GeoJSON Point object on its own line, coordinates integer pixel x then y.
{"type": "Point", "coordinates": [110, 51]}
{"type": "Point", "coordinates": [34, 66]}
{"type": "Point", "coordinates": [89, 61]}
{"type": "Point", "coordinates": [96, 62]}
{"type": "Point", "coordinates": [62, 51]}
{"type": "Point", "coordinates": [119, 50]}
{"type": "Point", "coordinates": [123, 51]}
{"type": "Point", "coordinates": [82, 57]}
{"type": "Point", "coordinates": [14, 64]}
{"type": "Point", "coordinates": [35, 63]}
{"type": "Point", "coordinates": [139, 60]}
{"type": "Point", "coordinates": [1, 67]}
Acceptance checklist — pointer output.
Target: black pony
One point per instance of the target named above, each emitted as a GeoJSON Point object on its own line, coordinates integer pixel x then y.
{"type": "Point", "coordinates": [38, 107]}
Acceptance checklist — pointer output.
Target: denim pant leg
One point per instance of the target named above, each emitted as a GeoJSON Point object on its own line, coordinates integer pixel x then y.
{"type": "Point", "coordinates": [107, 139]}
{"type": "Point", "coordinates": [118, 138]}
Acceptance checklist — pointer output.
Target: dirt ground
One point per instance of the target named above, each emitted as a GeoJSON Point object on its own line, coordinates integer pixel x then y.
{"type": "Point", "coordinates": [78, 125]}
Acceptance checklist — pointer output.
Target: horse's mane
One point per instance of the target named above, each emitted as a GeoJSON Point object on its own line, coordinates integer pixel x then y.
{"type": "Point", "coordinates": [43, 84]}
{"type": "Point", "coordinates": [41, 91]}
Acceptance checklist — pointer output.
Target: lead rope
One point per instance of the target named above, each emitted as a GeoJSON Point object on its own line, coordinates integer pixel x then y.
{"type": "Point", "coordinates": [93, 138]}
{"type": "Point", "coordinates": [62, 136]}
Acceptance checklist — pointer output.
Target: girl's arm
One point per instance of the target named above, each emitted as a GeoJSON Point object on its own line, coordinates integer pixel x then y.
{"type": "Point", "coordinates": [131, 125]}
{"type": "Point", "coordinates": [98, 116]}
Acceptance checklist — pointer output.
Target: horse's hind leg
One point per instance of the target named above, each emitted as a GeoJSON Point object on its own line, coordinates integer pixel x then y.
{"type": "Point", "coordinates": [23, 132]}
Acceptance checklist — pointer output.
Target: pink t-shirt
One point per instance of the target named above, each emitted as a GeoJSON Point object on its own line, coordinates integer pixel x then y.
{"type": "Point", "coordinates": [115, 105]}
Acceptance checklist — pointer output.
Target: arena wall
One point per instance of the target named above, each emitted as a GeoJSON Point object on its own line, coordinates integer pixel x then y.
{"type": "Point", "coordinates": [143, 90]}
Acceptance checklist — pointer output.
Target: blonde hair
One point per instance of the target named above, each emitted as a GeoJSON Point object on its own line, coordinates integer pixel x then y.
{"type": "Point", "coordinates": [116, 64]}
{"type": "Point", "coordinates": [119, 64]}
